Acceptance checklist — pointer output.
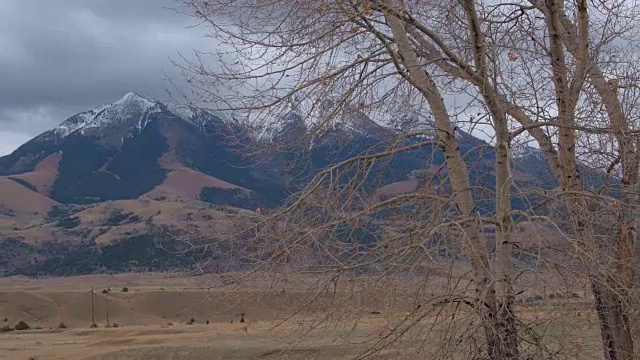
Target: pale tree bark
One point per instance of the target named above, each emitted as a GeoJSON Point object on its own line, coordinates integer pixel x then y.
{"type": "Point", "coordinates": [460, 184]}
{"type": "Point", "coordinates": [559, 46]}
{"type": "Point", "coordinates": [613, 288]}
{"type": "Point", "coordinates": [505, 320]}
{"type": "Point", "coordinates": [506, 329]}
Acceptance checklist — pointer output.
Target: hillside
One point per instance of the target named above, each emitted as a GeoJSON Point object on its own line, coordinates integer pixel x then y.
{"type": "Point", "coordinates": [138, 171]}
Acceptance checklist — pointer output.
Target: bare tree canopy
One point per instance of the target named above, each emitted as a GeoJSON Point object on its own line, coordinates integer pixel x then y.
{"type": "Point", "coordinates": [555, 76]}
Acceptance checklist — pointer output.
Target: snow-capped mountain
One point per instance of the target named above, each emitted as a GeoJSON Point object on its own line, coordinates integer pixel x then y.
{"type": "Point", "coordinates": [525, 151]}
{"type": "Point", "coordinates": [142, 151]}
{"type": "Point", "coordinates": [128, 148]}
{"type": "Point", "coordinates": [132, 108]}
{"type": "Point", "coordinates": [136, 144]}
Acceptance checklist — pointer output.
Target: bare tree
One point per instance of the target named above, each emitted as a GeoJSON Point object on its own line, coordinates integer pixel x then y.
{"type": "Point", "coordinates": [550, 41]}
{"type": "Point", "coordinates": [568, 52]}
{"type": "Point", "coordinates": [538, 69]}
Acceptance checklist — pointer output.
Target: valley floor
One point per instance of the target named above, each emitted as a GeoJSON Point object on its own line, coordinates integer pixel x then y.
{"type": "Point", "coordinates": [213, 341]}
{"type": "Point", "coordinates": [155, 311]}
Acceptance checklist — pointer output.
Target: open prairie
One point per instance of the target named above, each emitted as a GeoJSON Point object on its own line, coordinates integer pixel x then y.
{"type": "Point", "coordinates": [155, 311]}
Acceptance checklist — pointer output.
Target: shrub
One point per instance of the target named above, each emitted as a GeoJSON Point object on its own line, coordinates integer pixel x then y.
{"type": "Point", "coordinates": [5, 319]}
{"type": "Point", "coordinates": [116, 217]}
{"type": "Point", "coordinates": [105, 291]}
{"type": "Point", "coordinates": [56, 213]}
{"type": "Point", "coordinates": [21, 325]}
{"type": "Point", "coordinates": [231, 197]}
{"type": "Point", "coordinates": [115, 325]}
{"type": "Point", "coordinates": [125, 289]}
{"type": "Point", "coordinates": [192, 321]}
{"type": "Point", "coordinates": [68, 222]}
{"type": "Point", "coordinates": [6, 328]}
{"type": "Point", "coordinates": [62, 326]}
{"type": "Point", "coordinates": [93, 326]}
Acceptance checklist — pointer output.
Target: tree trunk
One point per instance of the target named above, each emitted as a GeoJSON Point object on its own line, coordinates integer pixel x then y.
{"type": "Point", "coordinates": [612, 292]}
{"type": "Point", "coordinates": [506, 322]}
{"type": "Point", "coordinates": [507, 332]}
{"type": "Point", "coordinates": [485, 290]}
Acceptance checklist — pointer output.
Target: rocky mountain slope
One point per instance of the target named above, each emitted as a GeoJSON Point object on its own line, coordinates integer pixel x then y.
{"type": "Point", "coordinates": [138, 170]}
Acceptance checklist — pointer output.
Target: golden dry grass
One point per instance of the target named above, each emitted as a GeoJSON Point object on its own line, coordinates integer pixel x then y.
{"type": "Point", "coordinates": [155, 300]}
{"type": "Point", "coordinates": [44, 174]}
{"type": "Point", "coordinates": [214, 341]}
{"type": "Point", "coordinates": [21, 200]}
{"type": "Point", "coordinates": [144, 312]}
{"type": "Point", "coordinates": [189, 215]}
{"type": "Point", "coordinates": [186, 183]}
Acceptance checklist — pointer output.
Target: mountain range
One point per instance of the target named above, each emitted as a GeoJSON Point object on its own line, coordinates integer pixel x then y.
{"type": "Point", "coordinates": [98, 191]}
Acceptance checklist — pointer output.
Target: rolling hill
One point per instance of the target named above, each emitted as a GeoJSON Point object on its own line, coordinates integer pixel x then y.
{"type": "Point", "coordinates": [138, 170]}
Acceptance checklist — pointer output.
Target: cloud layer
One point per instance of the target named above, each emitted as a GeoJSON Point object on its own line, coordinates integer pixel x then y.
{"type": "Point", "coordinates": [61, 57]}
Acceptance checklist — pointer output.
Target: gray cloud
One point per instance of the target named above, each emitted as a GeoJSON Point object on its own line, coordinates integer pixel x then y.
{"type": "Point", "coordinates": [61, 57]}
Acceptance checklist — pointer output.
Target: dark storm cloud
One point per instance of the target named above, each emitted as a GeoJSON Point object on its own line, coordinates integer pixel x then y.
{"type": "Point", "coordinates": [61, 57]}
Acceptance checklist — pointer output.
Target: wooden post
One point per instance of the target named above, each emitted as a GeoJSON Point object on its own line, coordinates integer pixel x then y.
{"type": "Point", "coordinates": [93, 310]}
{"type": "Point", "coordinates": [107, 311]}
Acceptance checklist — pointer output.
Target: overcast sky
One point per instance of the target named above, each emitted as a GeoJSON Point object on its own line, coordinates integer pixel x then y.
{"type": "Point", "coordinates": [61, 57]}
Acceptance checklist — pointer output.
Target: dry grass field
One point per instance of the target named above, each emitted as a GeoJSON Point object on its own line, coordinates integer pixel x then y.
{"type": "Point", "coordinates": [214, 341]}
{"type": "Point", "coordinates": [153, 318]}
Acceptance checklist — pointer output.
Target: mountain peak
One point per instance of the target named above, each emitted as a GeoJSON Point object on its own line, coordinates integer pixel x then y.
{"type": "Point", "coordinates": [133, 97]}
{"type": "Point", "coordinates": [130, 109]}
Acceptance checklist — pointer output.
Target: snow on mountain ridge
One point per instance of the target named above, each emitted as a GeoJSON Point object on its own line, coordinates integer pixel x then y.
{"type": "Point", "coordinates": [133, 111]}
{"type": "Point", "coordinates": [78, 121]}
{"type": "Point", "coordinates": [130, 106]}
{"type": "Point", "coordinates": [523, 151]}
{"type": "Point", "coordinates": [186, 113]}
{"type": "Point", "coordinates": [198, 116]}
